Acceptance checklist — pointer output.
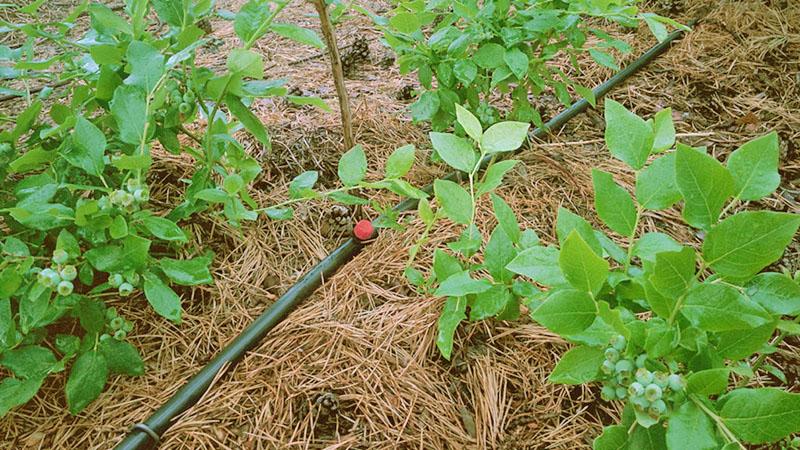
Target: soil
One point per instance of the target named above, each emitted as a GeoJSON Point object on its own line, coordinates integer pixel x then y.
{"type": "Point", "coordinates": [356, 365]}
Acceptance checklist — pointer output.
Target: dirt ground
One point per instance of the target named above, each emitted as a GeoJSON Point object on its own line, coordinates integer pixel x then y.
{"type": "Point", "coordinates": [356, 365]}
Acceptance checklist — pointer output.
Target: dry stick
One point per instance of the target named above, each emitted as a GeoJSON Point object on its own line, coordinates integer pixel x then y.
{"type": "Point", "coordinates": [338, 73]}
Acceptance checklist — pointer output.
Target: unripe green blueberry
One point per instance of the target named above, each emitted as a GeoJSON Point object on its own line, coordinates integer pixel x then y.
{"type": "Point", "coordinates": [612, 354]}
{"type": "Point", "coordinates": [117, 197]}
{"type": "Point", "coordinates": [117, 323]}
{"type": "Point", "coordinates": [104, 337]}
{"type": "Point", "coordinates": [621, 393]}
{"type": "Point", "coordinates": [125, 289]}
{"type": "Point", "coordinates": [624, 366]}
{"type": "Point", "coordinates": [120, 335]}
{"type": "Point", "coordinates": [132, 278]}
{"type": "Point", "coordinates": [104, 202]}
{"type": "Point", "coordinates": [115, 280]}
{"type": "Point", "coordinates": [111, 313]}
{"type": "Point", "coordinates": [184, 108]}
{"type": "Point", "coordinates": [636, 389]}
{"type": "Point", "coordinates": [640, 403]}
{"type": "Point", "coordinates": [656, 409]}
{"type": "Point", "coordinates": [644, 376]}
{"type": "Point", "coordinates": [132, 184]}
{"type": "Point", "coordinates": [69, 273]}
{"type": "Point", "coordinates": [127, 326]}
{"type": "Point", "coordinates": [141, 195]}
{"type": "Point", "coordinates": [652, 392]}
{"type": "Point", "coordinates": [175, 96]}
{"type": "Point", "coordinates": [641, 360]}
{"type": "Point", "coordinates": [608, 393]}
{"type": "Point", "coordinates": [45, 277]}
{"type": "Point", "coordinates": [60, 256]}
{"type": "Point", "coordinates": [661, 379]}
{"type": "Point", "coordinates": [607, 367]}
{"type": "Point", "coordinates": [618, 342]}
{"type": "Point", "coordinates": [188, 97]}
{"type": "Point", "coordinates": [676, 382]}
{"type": "Point", "coordinates": [34, 270]}
{"type": "Point", "coordinates": [127, 199]}
{"type": "Point", "coordinates": [65, 287]}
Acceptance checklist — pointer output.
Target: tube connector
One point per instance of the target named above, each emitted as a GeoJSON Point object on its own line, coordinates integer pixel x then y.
{"type": "Point", "coordinates": [364, 231]}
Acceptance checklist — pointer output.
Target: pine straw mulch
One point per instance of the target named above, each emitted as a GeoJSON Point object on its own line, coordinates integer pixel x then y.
{"type": "Point", "coordinates": [356, 365]}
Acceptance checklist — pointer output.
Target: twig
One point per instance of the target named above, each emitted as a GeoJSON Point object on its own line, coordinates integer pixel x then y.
{"type": "Point", "coordinates": [338, 73]}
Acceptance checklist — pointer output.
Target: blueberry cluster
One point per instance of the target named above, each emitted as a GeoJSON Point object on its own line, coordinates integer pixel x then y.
{"type": "Point", "coordinates": [59, 275]}
{"type": "Point", "coordinates": [117, 325]}
{"type": "Point", "coordinates": [183, 99]}
{"type": "Point", "coordinates": [650, 392]}
{"type": "Point", "coordinates": [128, 199]}
{"type": "Point", "coordinates": [125, 283]}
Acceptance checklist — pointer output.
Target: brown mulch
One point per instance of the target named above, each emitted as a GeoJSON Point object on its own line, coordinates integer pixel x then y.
{"type": "Point", "coordinates": [356, 365]}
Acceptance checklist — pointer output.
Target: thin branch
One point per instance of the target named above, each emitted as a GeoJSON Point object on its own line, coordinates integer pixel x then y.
{"type": "Point", "coordinates": [338, 73]}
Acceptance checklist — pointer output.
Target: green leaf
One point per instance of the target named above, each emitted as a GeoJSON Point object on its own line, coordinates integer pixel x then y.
{"type": "Point", "coordinates": [603, 58]}
{"type": "Point", "coordinates": [465, 71]}
{"type": "Point", "coordinates": [489, 302]}
{"type": "Point", "coordinates": [581, 266]}
{"type": "Point", "coordinates": [66, 241]}
{"type": "Point", "coordinates": [690, 428]}
{"type": "Point", "coordinates": [650, 437]}
{"type": "Point", "coordinates": [628, 136]}
{"type": "Point", "coordinates": [313, 101]}
{"type": "Point", "coordinates": [91, 314]}
{"type": "Point", "coordinates": [651, 244]}
{"type": "Point", "coordinates": [122, 357]}
{"type": "Point", "coordinates": [28, 362]}
{"type": "Point", "coordinates": [405, 22]}
{"type": "Point", "coordinates": [246, 63]}
{"type": "Point", "coordinates": [489, 56]}
{"type": "Point", "coordinates": [15, 392]}
{"type": "Point", "coordinates": [213, 195]}
{"type": "Point", "coordinates": [613, 204]}
{"type": "Point", "coordinates": [578, 366]}
{"type": "Point", "coordinates": [566, 312]}
{"type": "Point", "coordinates": [705, 185]}
{"type": "Point", "coordinates": [539, 264]}
{"type": "Point", "coordinates": [754, 167]}
{"type": "Point", "coordinates": [252, 123]}
{"type": "Point", "coordinates": [279, 213]}
{"type": "Point", "coordinates": [400, 161]}
{"type": "Point", "coordinates": [493, 176]}
{"type": "Point", "coordinates": [164, 229]}
{"type": "Point", "coordinates": [455, 200]}
{"type": "Point", "coordinates": [232, 183]}
{"type": "Point", "coordinates": [426, 107]}
{"type": "Point", "coordinates": [760, 416]}
{"type": "Point", "coordinates": [147, 66]}
{"type": "Point", "coordinates": [301, 186]}
{"type": "Point", "coordinates": [743, 244]}
{"type": "Point", "coordinates": [353, 166]}
{"type": "Point", "coordinates": [130, 112]}
{"type": "Point", "coordinates": [452, 315]}
{"type": "Point", "coordinates": [469, 122]}
{"type": "Point", "coordinates": [506, 218]}
{"type": "Point", "coordinates": [170, 11]}
{"type": "Point", "coordinates": [656, 187]}
{"type": "Point", "coordinates": [498, 253]}
{"type": "Point", "coordinates": [673, 272]}
{"type": "Point", "coordinates": [739, 344]}
{"type": "Point", "coordinates": [249, 20]}
{"type": "Point", "coordinates": [445, 265]}
{"type": "Point", "coordinates": [777, 293]}
{"type": "Point", "coordinates": [86, 380]}
{"type": "Point", "coordinates": [614, 437]}
{"type": "Point", "coordinates": [708, 382]}
{"type": "Point", "coordinates": [567, 222]}
{"type": "Point", "coordinates": [664, 130]}
{"type": "Point", "coordinates": [298, 34]}
{"type": "Point", "coordinates": [455, 151]}
{"type": "Point", "coordinates": [517, 61]}
{"type": "Point", "coordinates": [461, 284]}
{"type": "Point", "coordinates": [720, 307]}
{"type": "Point", "coordinates": [118, 228]}
{"type": "Point", "coordinates": [163, 299]}
{"type": "Point", "coordinates": [504, 137]}
{"type": "Point", "coordinates": [187, 272]}
{"type": "Point", "coordinates": [88, 146]}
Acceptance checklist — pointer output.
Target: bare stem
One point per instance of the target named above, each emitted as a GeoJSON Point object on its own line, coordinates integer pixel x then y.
{"type": "Point", "coordinates": [338, 73]}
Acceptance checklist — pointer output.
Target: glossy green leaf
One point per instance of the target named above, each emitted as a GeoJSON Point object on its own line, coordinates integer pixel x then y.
{"type": "Point", "coordinates": [461, 284]}
{"type": "Point", "coordinates": [298, 34]}
{"type": "Point", "coordinates": [566, 311]}
{"type": "Point", "coordinates": [162, 298]}
{"type": "Point", "coordinates": [754, 167]}
{"type": "Point", "coordinates": [705, 185]}
{"type": "Point", "coordinates": [539, 264]}
{"type": "Point", "coordinates": [578, 366]}
{"type": "Point", "coordinates": [454, 200]}
{"type": "Point", "coordinates": [86, 381]}
{"type": "Point", "coordinates": [656, 187]}
{"type": "Point", "coordinates": [400, 161]}
{"type": "Point", "coordinates": [470, 123]}
{"type": "Point", "coordinates": [122, 357]}
{"type": "Point", "coordinates": [628, 136]}
{"type": "Point", "coordinates": [353, 166]}
{"type": "Point", "coordinates": [457, 152]}
{"type": "Point", "coordinates": [187, 272]}
{"type": "Point", "coordinates": [452, 315]}
{"type": "Point", "coordinates": [708, 382]}
{"type": "Point", "coordinates": [777, 293]}
{"type": "Point", "coordinates": [250, 121]}
{"type": "Point", "coordinates": [164, 229]}
{"type": "Point", "coordinates": [673, 272]}
{"type": "Point", "coordinates": [613, 204]}
{"type": "Point", "coordinates": [87, 149]}
{"type": "Point", "coordinates": [130, 112]}
{"type": "Point", "coordinates": [504, 137]}
{"type": "Point", "coordinates": [582, 267]}
{"type": "Point", "coordinates": [761, 415]}
{"type": "Point", "coordinates": [721, 307]}
{"type": "Point", "coordinates": [493, 176]}
{"type": "Point", "coordinates": [691, 428]}
{"type": "Point", "coordinates": [147, 65]}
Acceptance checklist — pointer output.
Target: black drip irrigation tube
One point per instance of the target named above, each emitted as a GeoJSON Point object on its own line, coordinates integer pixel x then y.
{"type": "Point", "coordinates": [147, 435]}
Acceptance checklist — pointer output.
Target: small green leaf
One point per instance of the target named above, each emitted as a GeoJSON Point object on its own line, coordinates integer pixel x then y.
{"type": "Point", "coordinates": [353, 166]}
{"type": "Point", "coordinates": [628, 136]}
{"type": "Point", "coordinates": [566, 311]}
{"type": "Point", "coordinates": [489, 56]}
{"type": "Point", "coordinates": [708, 382]}
{"type": "Point", "coordinates": [581, 266]}
{"type": "Point", "coordinates": [163, 299]}
{"type": "Point", "coordinates": [298, 34]}
{"type": "Point", "coordinates": [603, 58]}
{"type": "Point", "coordinates": [614, 437]}
{"type": "Point", "coordinates": [613, 204]}
{"type": "Point", "coordinates": [405, 22]}
{"type": "Point", "coordinates": [445, 265]}
{"type": "Point", "coordinates": [673, 272]}
{"type": "Point", "coordinates": [426, 107]}
{"type": "Point", "coordinates": [740, 344]}
{"type": "Point", "coordinates": [760, 416]}
{"type": "Point", "coordinates": [312, 101]}
{"type": "Point", "coordinates": [252, 123]}
{"type": "Point", "coordinates": [656, 187]}
{"type": "Point", "coordinates": [455, 201]}
{"type": "Point", "coordinates": [719, 307]}
{"type": "Point", "coordinates": [506, 218]}
{"type": "Point", "coordinates": [690, 428]}
{"type": "Point", "coordinates": [452, 315]}
{"type": "Point", "coordinates": [504, 137]}
{"type": "Point", "coordinates": [461, 284]}
{"type": "Point", "coordinates": [567, 222]}
{"type": "Point", "coordinates": [754, 167]}
{"type": "Point", "coordinates": [469, 122]}
{"type": "Point", "coordinates": [164, 229]}
{"type": "Point", "coordinates": [517, 61]}
{"type": "Point", "coordinates": [777, 293]}
{"type": "Point", "coordinates": [539, 264]}
{"type": "Point", "coordinates": [28, 362]}
{"type": "Point", "coordinates": [493, 176]}
{"type": "Point", "coordinates": [122, 357]}
{"type": "Point", "coordinates": [578, 366]}
{"type": "Point", "coordinates": [301, 186]}
{"type": "Point", "coordinates": [187, 272]}
{"type": "Point", "coordinates": [664, 130]}
{"type": "Point", "coordinates": [400, 161]}
{"type": "Point", "coordinates": [130, 112]}
{"type": "Point", "coordinates": [15, 392]}
{"type": "Point", "coordinates": [86, 380]}
{"type": "Point", "coordinates": [489, 302]}
{"type": "Point", "coordinates": [743, 244]}
{"type": "Point", "coordinates": [705, 185]}
{"type": "Point", "coordinates": [147, 65]}
{"type": "Point", "coordinates": [455, 151]}
{"type": "Point", "coordinates": [498, 253]}
{"type": "Point", "coordinates": [87, 147]}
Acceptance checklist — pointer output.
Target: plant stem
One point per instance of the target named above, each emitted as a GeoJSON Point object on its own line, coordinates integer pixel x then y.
{"type": "Point", "coordinates": [632, 237]}
{"type": "Point", "coordinates": [763, 356]}
{"type": "Point", "coordinates": [336, 69]}
{"type": "Point", "coordinates": [728, 434]}
{"type": "Point", "coordinates": [296, 200]}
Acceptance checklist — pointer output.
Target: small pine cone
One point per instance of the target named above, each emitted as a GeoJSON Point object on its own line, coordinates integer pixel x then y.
{"type": "Point", "coordinates": [406, 93]}
{"type": "Point", "coordinates": [205, 25]}
{"type": "Point", "coordinates": [295, 91]}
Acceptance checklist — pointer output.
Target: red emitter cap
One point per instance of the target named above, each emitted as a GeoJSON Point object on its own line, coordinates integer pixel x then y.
{"type": "Point", "coordinates": [363, 230]}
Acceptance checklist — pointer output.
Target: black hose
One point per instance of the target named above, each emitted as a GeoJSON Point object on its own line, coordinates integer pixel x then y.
{"type": "Point", "coordinates": [145, 435]}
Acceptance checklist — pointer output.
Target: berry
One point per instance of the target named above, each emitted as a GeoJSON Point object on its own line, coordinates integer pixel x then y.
{"type": "Point", "coordinates": [44, 277]}
{"type": "Point", "coordinates": [363, 230]}
{"type": "Point", "coordinates": [127, 199]}
{"type": "Point", "coordinates": [118, 196]}
{"type": "Point", "coordinates": [624, 366]}
{"type": "Point", "coordinates": [188, 97]}
{"type": "Point", "coordinates": [608, 367]}
{"type": "Point", "coordinates": [127, 326]}
{"type": "Point", "coordinates": [117, 323]}
{"type": "Point", "coordinates": [636, 389]}
{"type": "Point", "coordinates": [612, 355]}
{"type": "Point", "coordinates": [132, 184]}
{"type": "Point", "coordinates": [184, 108]}
{"type": "Point", "coordinates": [141, 195]}
{"type": "Point", "coordinates": [641, 360]}
{"type": "Point", "coordinates": [111, 313]}
{"type": "Point", "coordinates": [608, 393]}
{"type": "Point", "coordinates": [69, 273]}
{"type": "Point", "coordinates": [656, 409]}
{"type": "Point", "coordinates": [132, 278]}
{"type": "Point", "coordinates": [618, 342]}
{"type": "Point", "coordinates": [60, 256]}
{"type": "Point", "coordinates": [640, 403]}
{"type": "Point", "coordinates": [676, 382]}
{"type": "Point", "coordinates": [120, 335]}
{"type": "Point", "coordinates": [661, 379]}
{"type": "Point", "coordinates": [104, 202]}
{"type": "Point", "coordinates": [65, 288]}
{"type": "Point", "coordinates": [621, 393]}
{"type": "Point", "coordinates": [115, 280]}
{"type": "Point", "coordinates": [644, 376]}
{"type": "Point", "coordinates": [125, 289]}
{"type": "Point", "coordinates": [652, 392]}
{"type": "Point", "coordinates": [104, 337]}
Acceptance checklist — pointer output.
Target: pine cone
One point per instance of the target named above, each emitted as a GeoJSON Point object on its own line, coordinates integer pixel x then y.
{"type": "Point", "coordinates": [406, 93]}
{"type": "Point", "coordinates": [355, 55]}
